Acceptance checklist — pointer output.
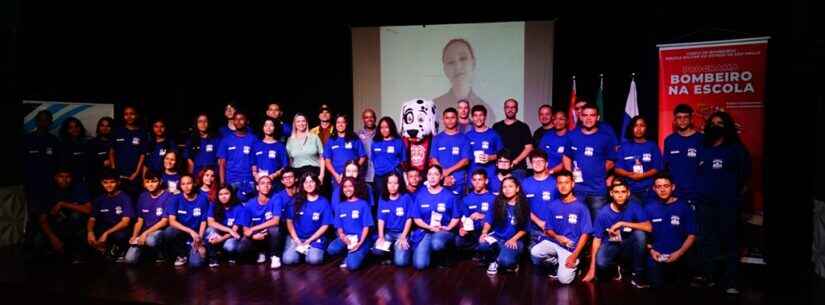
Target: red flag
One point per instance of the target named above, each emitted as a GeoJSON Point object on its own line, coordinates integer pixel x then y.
{"type": "Point", "coordinates": [572, 119]}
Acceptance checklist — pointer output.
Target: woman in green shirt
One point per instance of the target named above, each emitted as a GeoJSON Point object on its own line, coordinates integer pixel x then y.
{"type": "Point", "coordinates": [305, 149]}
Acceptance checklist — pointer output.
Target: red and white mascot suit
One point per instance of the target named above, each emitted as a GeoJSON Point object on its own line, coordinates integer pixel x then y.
{"type": "Point", "coordinates": [418, 126]}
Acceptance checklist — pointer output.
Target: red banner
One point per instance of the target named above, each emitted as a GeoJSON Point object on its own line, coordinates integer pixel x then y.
{"type": "Point", "coordinates": [727, 76]}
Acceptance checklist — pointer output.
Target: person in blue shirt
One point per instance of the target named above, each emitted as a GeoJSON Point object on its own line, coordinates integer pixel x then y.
{"type": "Point", "coordinates": [129, 151]}
{"type": "Point", "coordinates": [505, 226]}
{"type": "Point", "coordinates": [159, 144]}
{"type": "Point", "coordinates": [540, 190]}
{"type": "Point", "coordinates": [74, 149]}
{"type": "Point", "coordinates": [504, 169]}
{"type": "Point", "coordinates": [151, 213]}
{"type": "Point", "coordinates": [341, 147]}
{"type": "Point", "coordinates": [567, 229]}
{"type": "Point", "coordinates": [187, 224]}
{"type": "Point", "coordinates": [170, 175]}
{"type": "Point", "coordinates": [555, 141]}
{"type": "Point", "coordinates": [99, 148]}
{"type": "Point", "coordinates": [261, 230]}
{"type": "Point", "coordinates": [274, 111]}
{"type": "Point", "coordinates": [307, 219]}
{"type": "Point", "coordinates": [207, 180]}
{"type": "Point", "coordinates": [235, 159]}
{"type": "Point", "coordinates": [40, 159]}
{"type": "Point", "coordinates": [604, 127]}
{"type": "Point", "coordinates": [201, 150]}
{"type": "Point", "coordinates": [352, 220]}
{"type": "Point", "coordinates": [387, 153]}
{"type": "Point", "coordinates": [394, 222]}
{"type": "Point", "coordinates": [724, 169]}
{"type": "Point", "coordinates": [674, 232]}
{"type": "Point", "coordinates": [680, 156]}
{"type": "Point", "coordinates": [62, 218]}
{"type": "Point", "coordinates": [270, 155]}
{"type": "Point", "coordinates": [474, 208]}
{"type": "Point", "coordinates": [362, 189]}
{"type": "Point", "coordinates": [484, 142]}
{"type": "Point", "coordinates": [223, 236]}
{"type": "Point", "coordinates": [638, 160]}
{"type": "Point", "coordinates": [435, 213]}
{"type": "Point", "coordinates": [620, 231]}
{"type": "Point", "coordinates": [106, 229]}
{"type": "Point", "coordinates": [590, 157]}
{"type": "Point", "coordinates": [451, 150]}
{"type": "Point", "coordinates": [229, 112]}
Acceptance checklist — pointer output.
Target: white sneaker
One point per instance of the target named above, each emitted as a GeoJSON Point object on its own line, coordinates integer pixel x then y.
{"type": "Point", "coordinates": [515, 270]}
{"type": "Point", "coordinates": [732, 291]}
{"type": "Point", "coordinates": [213, 264]}
{"type": "Point", "coordinates": [261, 258]}
{"type": "Point", "coordinates": [232, 262]}
{"type": "Point", "coordinates": [274, 262]}
{"type": "Point", "coordinates": [493, 269]}
{"type": "Point", "coordinates": [343, 266]}
{"type": "Point", "coordinates": [180, 261]}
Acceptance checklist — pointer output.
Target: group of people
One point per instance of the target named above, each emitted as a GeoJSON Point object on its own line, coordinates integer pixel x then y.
{"type": "Point", "coordinates": [580, 202]}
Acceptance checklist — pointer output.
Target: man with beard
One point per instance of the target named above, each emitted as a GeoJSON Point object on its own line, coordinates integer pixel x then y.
{"type": "Point", "coordinates": [516, 137]}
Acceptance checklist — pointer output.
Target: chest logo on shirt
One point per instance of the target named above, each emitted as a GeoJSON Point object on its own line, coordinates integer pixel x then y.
{"type": "Point", "coordinates": [656, 220]}
{"type": "Point", "coordinates": [456, 151]}
{"type": "Point", "coordinates": [588, 151]}
{"type": "Point", "coordinates": [441, 207]}
{"type": "Point", "coordinates": [572, 218]}
{"type": "Point", "coordinates": [348, 145]}
{"type": "Point", "coordinates": [162, 152]}
{"type": "Point", "coordinates": [272, 154]}
{"type": "Point", "coordinates": [674, 152]}
{"type": "Point", "coordinates": [246, 150]}
{"type": "Point", "coordinates": [674, 220]}
{"type": "Point", "coordinates": [560, 150]}
{"type": "Point", "coordinates": [530, 195]}
{"type": "Point", "coordinates": [559, 216]}
{"type": "Point", "coordinates": [485, 145]}
{"type": "Point", "coordinates": [230, 221]}
{"type": "Point", "coordinates": [390, 149]}
{"type": "Point", "coordinates": [135, 141]}
{"type": "Point", "coordinates": [512, 220]}
{"type": "Point", "coordinates": [231, 148]}
{"type": "Point", "coordinates": [425, 206]}
{"type": "Point", "coordinates": [442, 148]}
{"type": "Point", "coordinates": [120, 140]}
{"type": "Point", "coordinates": [646, 157]}
{"type": "Point", "coordinates": [209, 147]}
{"type": "Point", "coordinates": [196, 212]}
{"type": "Point", "coordinates": [158, 211]}
{"type": "Point", "coordinates": [399, 211]}
{"type": "Point", "coordinates": [356, 214]}
{"type": "Point", "coordinates": [49, 151]}
{"type": "Point", "coordinates": [545, 195]}
{"type": "Point", "coordinates": [118, 210]}
{"type": "Point", "coordinates": [718, 163]}
{"type": "Point", "coordinates": [485, 206]}
{"type": "Point", "coordinates": [316, 216]}
{"type": "Point", "coordinates": [691, 152]}
{"type": "Point", "coordinates": [268, 215]}
{"type": "Point", "coordinates": [182, 212]}
{"type": "Point", "coordinates": [104, 210]}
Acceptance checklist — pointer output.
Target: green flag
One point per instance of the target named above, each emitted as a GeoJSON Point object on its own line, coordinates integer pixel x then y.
{"type": "Point", "coordinates": [600, 95]}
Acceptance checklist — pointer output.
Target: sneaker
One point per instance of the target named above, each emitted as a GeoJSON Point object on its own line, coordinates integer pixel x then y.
{"type": "Point", "coordinates": [732, 290]}
{"type": "Point", "coordinates": [232, 262]}
{"type": "Point", "coordinates": [160, 260]}
{"type": "Point", "coordinates": [701, 282]}
{"type": "Point", "coordinates": [638, 282]}
{"type": "Point", "coordinates": [180, 261]}
{"type": "Point", "coordinates": [213, 263]}
{"type": "Point", "coordinates": [618, 276]}
{"type": "Point", "coordinates": [261, 258]}
{"type": "Point", "coordinates": [120, 259]}
{"type": "Point", "coordinates": [343, 266]}
{"type": "Point", "coordinates": [493, 269]}
{"type": "Point", "coordinates": [274, 262]}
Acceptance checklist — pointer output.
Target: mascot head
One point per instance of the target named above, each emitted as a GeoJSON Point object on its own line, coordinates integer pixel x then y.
{"type": "Point", "coordinates": [418, 119]}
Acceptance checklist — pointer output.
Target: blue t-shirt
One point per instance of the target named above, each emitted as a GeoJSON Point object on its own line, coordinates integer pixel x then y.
{"type": "Point", "coordinates": [477, 203]}
{"type": "Point", "coordinates": [170, 182]}
{"type": "Point", "coordinates": [153, 209]}
{"type": "Point", "coordinates": [449, 150]}
{"type": "Point", "coordinates": [722, 171]}
{"type": "Point", "coordinates": [284, 200]}
{"type": "Point", "coordinates": [487, 142]}
{"type": "Point", "coordinates": [495, 183]}
{"type": "Point", "coordinates": [205, 154]}
{"type": "Point", "coordinates": [443, 202]}
{"type": "Point", "coordinates": [504, 229]}
{"type": "Point", "coordinates": [224, 130]}
{"type": "Point", "coordinates": [128, 145]}
{"type": "Point", "coordinates": [109, 210]}
{"type": "Point", "coordinates": [270, 157]}
{"type": "Point", "coordinates": [190, 213]}
{"type": "Point", "coordinates": [353, 216]}
{"type": "Point", "coordinates": [387, 155]}
{"type": "Point", "coordinates": [156, 152]}
{"type": "Point", "coordinates": [589, 154]}
{"type": "Point", "coordinates": [555, 146]}
{"type": "Point", "coordinates": [607, 217]}
{"type": "Point", "coordinates": [681, 158]}
{"type": "Point", "coordinates": [394, 213]}
{"type": "Point", "coordinates": [339, 150]}
{"type": "Point", "coordinates": [40, 160]}
{"type": "Point", "coordinates": [672, 223]}
{"type": "Point", "coordinates": [571, 220]}
{"type": "Point", "coordinates": [540, 195]}
{"type": "Point", "coordinates": [258, 213]}
{"type": "Point", "coordinates": [647, 154]}
{"type": "Point", "coordinates": [310, 218]}
{"type": "Point", "coordinates": [237, 151]}
{"type": "Point", "coordinates": [231, 215]}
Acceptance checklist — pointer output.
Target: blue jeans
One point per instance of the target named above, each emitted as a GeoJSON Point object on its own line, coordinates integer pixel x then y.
{"type": "Point", "coordinates": [507, 258]}
{"type": "Point", "coordinates": [631, 247]}
{"type": "Point", "coordinates": [432, 242]}
{"type": "Point", "coordinates": [153, 244]}
{"type": "Point", "coordinates": [314, 256]}
{"type": "Point", "coordinates": [401, 257]}
{"type": "Point", "coordinates": [232, 248]}
{"type": "Point", "coordinates": [469, 241]}
{"type": "Point", "coordinates": [119, 238]}
{"type": "Point", "coordinates": [593, 201]}
{"type": "Point", "coordinates": [354, 259]}
{"type": "Point", "coordinates": [179, 244]}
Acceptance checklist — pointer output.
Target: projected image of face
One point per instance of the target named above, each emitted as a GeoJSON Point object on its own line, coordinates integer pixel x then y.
{"type": "Point", "coordinates": [459, 64]}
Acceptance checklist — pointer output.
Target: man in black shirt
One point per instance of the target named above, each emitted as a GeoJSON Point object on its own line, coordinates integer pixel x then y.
{"type": "Point", "coordinates": [546, 120]}
{"type": "Point", "coordinates": [516, 136]}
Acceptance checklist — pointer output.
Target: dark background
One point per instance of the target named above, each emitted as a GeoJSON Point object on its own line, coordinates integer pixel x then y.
{"type": "Point", "coordinates": [175, 60]}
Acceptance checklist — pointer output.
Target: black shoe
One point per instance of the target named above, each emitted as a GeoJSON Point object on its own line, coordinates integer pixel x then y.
{"type": "Point", "coordinates": [638, 281]}
{"type": "Point", "coordinates": [702, 282]}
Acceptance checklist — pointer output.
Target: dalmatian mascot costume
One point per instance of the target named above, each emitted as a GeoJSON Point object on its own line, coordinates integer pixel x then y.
{"type": "Point", "coordinates": [418, 126]}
